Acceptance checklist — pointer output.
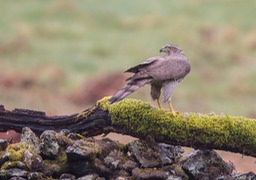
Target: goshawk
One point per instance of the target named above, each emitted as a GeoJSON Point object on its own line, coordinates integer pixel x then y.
{"type": "Point", "coordinates": [160, 72]}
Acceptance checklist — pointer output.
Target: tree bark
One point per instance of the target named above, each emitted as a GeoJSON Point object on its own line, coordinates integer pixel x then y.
{"type": "Point", "coordinates": [229, 133]}
{"type": "Point", "coordinates": [89, 122]}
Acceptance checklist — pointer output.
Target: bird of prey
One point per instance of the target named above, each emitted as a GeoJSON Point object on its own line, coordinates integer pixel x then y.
{"type": "Point", "coordinates": [161, 72]}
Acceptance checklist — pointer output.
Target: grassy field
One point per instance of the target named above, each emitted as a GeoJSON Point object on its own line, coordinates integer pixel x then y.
{"type": "Point", "coordinates": [81, 39]}
{"type": "Point", "coordinates": [51, 50]}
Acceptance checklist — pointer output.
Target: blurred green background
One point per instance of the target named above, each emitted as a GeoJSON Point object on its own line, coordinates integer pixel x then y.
{"type": "Point", "coordinates": [62, 56]}
{"type": "Point", "coordinates": [52, 51]}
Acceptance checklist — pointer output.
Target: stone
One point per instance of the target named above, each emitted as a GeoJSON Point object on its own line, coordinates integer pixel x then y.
{"type": "Point", "coordinates": [173, 177]}
{"type": "Point", "coordinates": [101, 168]}
{"type": "Point", "coordinates": [30, 140]}
{"type": "Point", "coordinates": [64, 132]}
{"type": "Point", "coordinates": [17, 178]}
{"type": "Point", "coordinates": [49, 144]}
{"type": "Point", "coordinates": [249, 176]}
{"type": "Point", "coordinates": [144, 154]}
{"type": "Point", "coordinates": [169, 154]}
{"type": "Point", "coordinates": [3, 144]}
{"type": "Point", "coordinates": [81, 168]}
{"type": "Point", "coordinates": [67, 177]}
{"type": "Point", "coordinates": [174, 171]}
{"type": "Point", "coordinates": [149, 173]}
{"type": "Point", "coordinates": [89, 148]}
{"type": "Point", "coordinates": [118, 160]}
{"type": "Point", "coordinates": [91, 177]}
{"type": "Point", "coordinates": [16, 172]}
{"type": "Point", "coordinates": [83, 149]}
{"type": "Point", "coordinates": [206, 164]}
{"type": "Point", "coordinates": [36, 176]}
{"type": "Point", "coordinates": [14, 164]}
{"type": "Point", "coordinates": [56, 156]}
{"type": "Point", "coordinates": [150, 154]}
{"type": "Point", "coordinates": [129, 165]}
{"type": "Point", "coordinates": [34, 162]}
{"type": "Point", "coordinates": [121, 174]}
{"type": "Point", "coordinates": [57, 166]}
{"type": "Point", "coordinates": [75, 136]}
{"type": "Point", "coordinates": [4, 157]}
{"type": "Point", "coordinates": [3, 175]}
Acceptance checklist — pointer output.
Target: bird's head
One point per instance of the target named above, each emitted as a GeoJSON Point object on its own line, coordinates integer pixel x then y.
{"type": "Point", "coordinates": [171, 49]}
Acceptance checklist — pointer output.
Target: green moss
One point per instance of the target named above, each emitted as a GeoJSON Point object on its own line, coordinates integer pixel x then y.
{"type": "Point", "coordinates": [13, 164]}
{"type": "Point", "coordinates": [59, 165]}
{"type": "Point", "coordinates": [219, 131]}
{"type": "Point", "coordinates": [80, 136]}
{"type": "Point", "coordinates": [15, 151]}
{"type": "Point", "coordinates": [103, 103]}
{"type": "Point", "coordinates": [60, 160]}
{"type": "Point", "coordinates": [91, 149]}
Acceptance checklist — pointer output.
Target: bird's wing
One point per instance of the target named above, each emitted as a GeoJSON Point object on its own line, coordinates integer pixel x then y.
{"type": "Point", "coordinates": [171, 68]}
{"type": "Point", "coordinates": [139, 79]}
{"type": "Point", "coordinates": [148, 62]}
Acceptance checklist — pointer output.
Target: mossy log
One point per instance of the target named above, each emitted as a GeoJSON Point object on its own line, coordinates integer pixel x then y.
{"type": "Point", "coordinates": [223, 132]}
{"type": "Point", "coordinates": [139, 119]}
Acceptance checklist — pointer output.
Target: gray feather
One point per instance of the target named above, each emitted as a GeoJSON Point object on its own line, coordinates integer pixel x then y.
{"type": "Point", "coordinates": [160, 71]}
{"type": "Point", "coordinates": [168, 88]}
{"type": "Point", "coordinates": [127, 89]}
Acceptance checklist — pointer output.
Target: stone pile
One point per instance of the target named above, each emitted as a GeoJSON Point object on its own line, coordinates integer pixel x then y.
{"type": "Point", "coordinates": [67, 156]}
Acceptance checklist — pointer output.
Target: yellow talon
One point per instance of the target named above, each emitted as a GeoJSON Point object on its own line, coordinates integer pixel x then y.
{"type": "Point", "coordinates": [158, 104]}
{"type": "Point", "coordinates": [171, 108]}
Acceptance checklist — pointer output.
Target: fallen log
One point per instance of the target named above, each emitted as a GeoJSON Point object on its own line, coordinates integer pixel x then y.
{"type": "Point", "coordinates": [223, 132]}
{"type": "Point", "coordinates": [90, 122]}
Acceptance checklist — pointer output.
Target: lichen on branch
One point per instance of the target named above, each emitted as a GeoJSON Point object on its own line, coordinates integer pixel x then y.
{"type": "Point", "coordinates": [224, 132]}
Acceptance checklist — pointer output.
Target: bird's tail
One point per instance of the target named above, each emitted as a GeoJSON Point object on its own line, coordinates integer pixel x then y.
{"type": "Point", "coordinates": [129, 88]}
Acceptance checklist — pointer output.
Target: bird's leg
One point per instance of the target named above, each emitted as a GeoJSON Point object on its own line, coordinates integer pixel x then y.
{"type": "Point", "coordinates": [158, 104]}
{"type": "Point", "coordinates": [171, 108]}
